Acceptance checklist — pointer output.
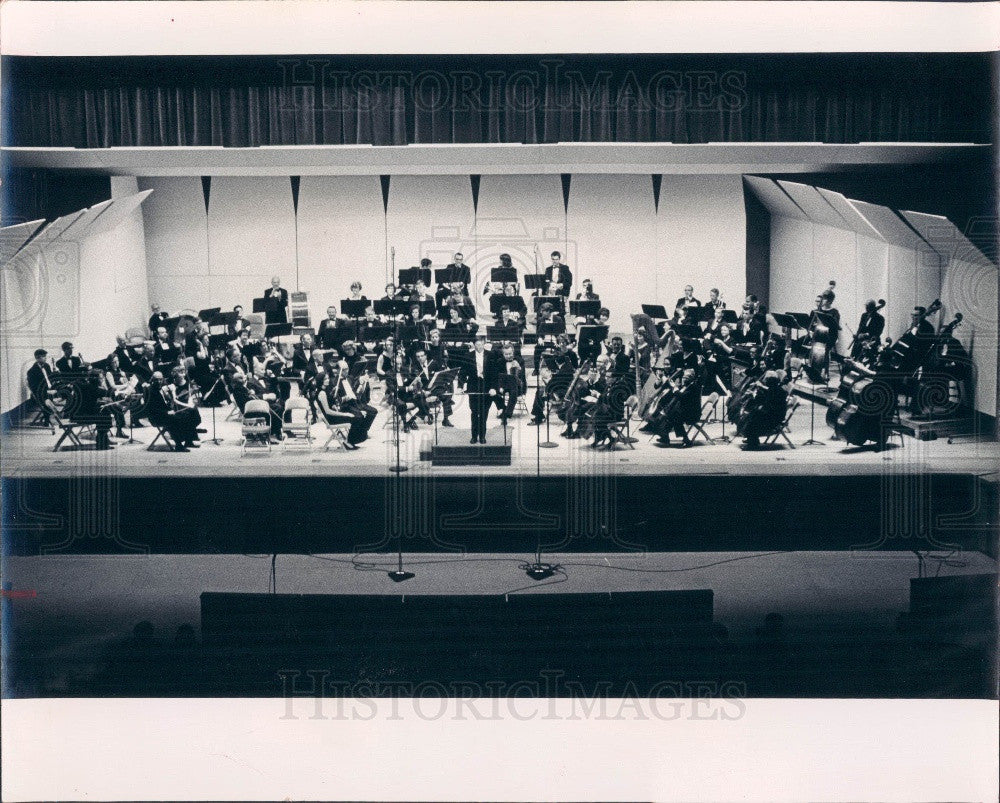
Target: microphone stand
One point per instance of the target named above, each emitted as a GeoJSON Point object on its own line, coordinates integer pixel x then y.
{"type": "Point", "coordinates": [215, 438]}
{"type": "Point", "coordinates": [548, 442]}
{"type": "Point", "coordinates": [538, 570]}
{"type": "Point", "coordinates": [812, 416]}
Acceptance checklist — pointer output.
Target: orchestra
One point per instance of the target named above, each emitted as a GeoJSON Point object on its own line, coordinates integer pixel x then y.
{"type": "Point", "coordinates": [426, 353]}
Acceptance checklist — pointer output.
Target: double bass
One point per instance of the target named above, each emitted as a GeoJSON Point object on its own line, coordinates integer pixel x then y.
{"type": "Point", "coordinates": [906, 354]}
{"type": "Point", "coordinates": [822, 339]}
{"type": "Point", "coordinates": [865, 405]}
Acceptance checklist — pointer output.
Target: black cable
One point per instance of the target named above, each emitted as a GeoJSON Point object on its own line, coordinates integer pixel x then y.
{"type": "Point", "coordinates": [557, 569]}
{"type": "Point", "coordinates": [685, 568]}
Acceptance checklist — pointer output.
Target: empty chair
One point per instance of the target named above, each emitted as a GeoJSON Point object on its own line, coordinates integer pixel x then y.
{"type": "Point", "coordinates": [256, 426]}
{"type": "Point", "coordinates": [295, 423]}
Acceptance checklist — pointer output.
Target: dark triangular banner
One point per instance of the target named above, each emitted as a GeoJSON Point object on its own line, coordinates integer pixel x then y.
{"type": "Point", "coordinates": [475, 192]}
{"type": "Point", "coordinates": [206, 189]}
{"type": "Point", "coordinates": [296, 181]}
{"type": "Point", "coordinates": [385, 192]}
{"type": "Point", "coordinates": [565, 185]}
{"type": "Point", "coordinates": [657, 182]}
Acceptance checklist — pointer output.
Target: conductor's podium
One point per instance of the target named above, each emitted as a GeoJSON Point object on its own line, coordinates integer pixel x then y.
{"type": "Point", "coordinates": [453, 448]}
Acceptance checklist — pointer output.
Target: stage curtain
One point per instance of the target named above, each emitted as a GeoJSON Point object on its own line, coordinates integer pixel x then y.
{"type": "Point", "coordinates": [98, 103]}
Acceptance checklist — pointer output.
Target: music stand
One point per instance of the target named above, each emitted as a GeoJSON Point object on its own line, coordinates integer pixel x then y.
{"type": "Point", "coordinates": [498, 300]}
{"type": "Point", "coordinates": [534, 281]}
{"type": "Point", "coordinates": [551, 329]}
{"type": "Point", "coordinates": [503, 275]}
{"type": "Point", "coordinates": [548, 443]}
{"type": "Point", "coordinates": [208, 314]}
{"type": "Point", "coordinates": [730, 317]}
{"type": "Point", "coordinates": [583, 309]}
{"type": "Point", "coordinates": [273, 330]}
{"type": "Point", "coordinates": [701, 314]}
{"type": "Point", "coordinates": [354, 307]}
{"type": "Point", "coordinates": [427, 307]}
{"type": "Point", "coordinates": [409, 276]}
{"type": "Point", "coordinates": [590, 337]}
{"type": "Point", "coordinates": [374, 333]}
{"type": "Point", "coordinates": [784, 320]}
{"type": "Point", "coordinates": [446, 276]}
{"type": "Point", "coordinates": [655, 311]}
{"type": "Point", "coordinates": [802, 319]}
{"type": "Point", "coordinates": [259, 304]}
{"type": "Point", "coordinates": [223, 321]}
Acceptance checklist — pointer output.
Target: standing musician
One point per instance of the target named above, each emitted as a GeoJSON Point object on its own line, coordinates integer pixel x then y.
{"type": "Point", "coordinates": [461, 273]}
{"type": "Point", "coordinates": [238, 323]}
{"type": "Point", "coordinates": [685, 304]}
{"type": "Point", "coordinates": [40, 384]}
{"type": "Point", "coordinates": [478, 374]}
{"type": "Point", "coordinates": [869, 331]}
{"type": "Point", "coordinates": [718, 350]}
{"type": "Point", "coordinates": [641, 352]}
{"type": "Point", "coordinates": [328, 328]}
{"type": "Point", "coordinates": [558, 277]}
{"type": "Point", "coordinates": [302, 353]}
{"type": "Point", "coordinates": [681, 410]}
{"type": "Point", "coordinates": [278, 313]}
{"type": "Point", "coordinates": [156, 319]}
{"type": "Point", "coordinates": [180, 423]}
{"type": "Point", "coordinates": [70, 363]}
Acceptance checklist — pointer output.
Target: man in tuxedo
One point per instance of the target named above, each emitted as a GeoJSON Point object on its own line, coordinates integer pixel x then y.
{"type": "Point", "coordinates": [460, 271]}
{"type": "Point", "coordinates": [40, 383]}
{"type": "Point", "coordinates": [277, 310]}
{"type": "Point", "coordinates": [156, 319]}
{"type": "Point", "coordinates": [869, 328]}
{"type": "Point", "coordinates": [477, 373]}
{"type": "Point", "coordinates": [69, 363]}
{"type": "Point", "coordinates": [126, 357]}
{"type": "Point", "coordinates": [558, 277]}
{"type": "Point", "coordinates": [685, 303]}
{"type": "Point", "coordinates": [426, 369]}
{"type": "Point", "coordinates": [302, 353]}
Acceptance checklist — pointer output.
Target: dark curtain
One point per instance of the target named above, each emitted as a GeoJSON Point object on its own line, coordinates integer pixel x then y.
{"type": "Point", "coordinates": [98, 103]}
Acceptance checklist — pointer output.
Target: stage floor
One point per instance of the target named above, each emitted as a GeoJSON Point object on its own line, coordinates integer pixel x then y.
{"type": "Point", "coordinates": [28, 452]}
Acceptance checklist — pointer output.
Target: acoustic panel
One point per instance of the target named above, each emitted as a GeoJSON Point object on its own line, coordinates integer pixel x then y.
{"type": "Point", "coordinates": [813, 205]}
{"type": "Point", "coordinates": [946, 238]}
{"type": "Point", "coordinates": [119, 210]}
{"type": "Point", "coordinates": [849, 214]}
{"type": "Point", "coordinates": [13, 238]}
{"type": "Point", "coordinates": [774, 198]}
{"type": "Point", "coordinates": [889, 225]}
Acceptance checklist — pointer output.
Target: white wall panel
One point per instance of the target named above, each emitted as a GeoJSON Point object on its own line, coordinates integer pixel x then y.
{"type": "Point", "coordinates": [971, 288]}
{"type": "Point", "coordinates": [176, 242]}
{"type": "Point", "coordinates": [515, 213]}
{"type": "Point", "coordinates": [793, 279]}
{"type": "Point", "coordinates": [251, 227]}
{"type": "Point", "coordinates": [431, 216]}
{"type": "Point", "coordinates": [612, 227]}
{"type": "Point", "coordinates": [701, 238]}
{"type": "Point", "coordinates": [341, 238]}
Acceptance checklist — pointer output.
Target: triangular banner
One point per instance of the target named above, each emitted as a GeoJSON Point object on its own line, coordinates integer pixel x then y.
{"type": "Point", "coordinates": [206, 189]}
{"type": "Point", "coordinates": [385, 193]}
{"type": "Point", "coordinates": [296, 181]}
{"type": "Point", "coordinates": [657, 182]}
{"type": "Point", "coordinates": [475, 192]}
{"type": "Point", "coordinates": [566, 177]}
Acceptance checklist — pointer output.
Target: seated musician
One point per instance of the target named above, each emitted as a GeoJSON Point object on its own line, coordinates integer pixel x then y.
{"type": "Point", "coordinates": [179, 424]}
{"type": "Point", "coordinates": [591, 392]}
{"type": "Point", "coordinates": [156, 319]}
{"type": "Point", "coordinates": [558, 359]}
{"type": "Point", "coordinates": [510, 382]}
{"type": "Point", "coordinates": [462, 271]}
{"type": "Point", "coordinates": [436, 352]}
{"type": "Point", "coordinates": [459, 324]}
{"type": "Point", "coordinates": [69, 363]}
{"type": "Point", "coordinates": [588, 293]}
{"type": "Point", "coordinates": [403, 389]}
{"type": "Point", "coordinates": [385, 359]}
{"type": "Point", "coordinates": [459, 297]}
{"type": "Point", "coordinates": [244, 389]}
{"type": "Point", "coordinates": [40, 384]}
{"type": "Point", "coordinates": [514, 301]}
{"type": "Point", "coordinates": [184, 395]}
{"type": "Point", "coordinates": [508, 320]}
{"type": "Point", "coordinates": [748, 328]}
{"type": "Point", "coordinates": [165, 353]}
{"type": "Point", "coordinates": [716, 324]}
{"type": "Point", "coordinates": [120, 387]}
{"type": "Point", "coordinates": [248, 348]}
{"type": "Point", "coordinates": [685, 304]}
{"type": "Point", "coordinates": [238, 324]}
{"type": "Point", "coordinates": [214, 393]}
{"type": "Point", "coordinates": [765, 412]}
{"type": "Point", "coordinates": [302, 354]}
{"type": "Point", "coordinates": [425, 368]}
{"type": "Point", "coordinates": [126, 356]}
{"type": "Point", "coordinates": [682, 410]}
{"type": "Point", "coordinates": [144, 365]}
{"type": "Point", "coordinates": [89, 406]}
{"type": "Point", "coordinates": [339, 404]}
{"type": "Point", "coordinates": [619, 362]}
{"type": "Point", "coordinates": [356, 294]}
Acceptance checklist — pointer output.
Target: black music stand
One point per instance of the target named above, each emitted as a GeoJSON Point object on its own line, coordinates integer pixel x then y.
{"type": "Point", "coordinates": [534, 281]}
{"type": "Point", "coordinates": [591, 337]}
{"type": "Point", "coordinates": [655, 311]}
{"type": "Point", "coordinates": [441, 382]}
{"type": "Point", "coordinates": [550, 329]}
{"type": "Point", "coordinates": [277, 330]}
{"type": "Point", "coordinates": [208, 314]}
{"type": "Point", "coordinates": [446, 276]}
{"type": "Point", "coordinates": [354, 307]}
{"type": "Point", "coordinates": [583, 309]}
{"type": "Point", "coordinates": [702, 314]}
{"type": "Point", "coordinates": [548, 443]}
{"type": "Point", "coordinates": [730, 317]}
{"type": "Point", "coordinates": [503, 275]}
{"type": "Point", "coordinates": [558, 303]}
{"type": "Point", "coordinates": [812, 411]}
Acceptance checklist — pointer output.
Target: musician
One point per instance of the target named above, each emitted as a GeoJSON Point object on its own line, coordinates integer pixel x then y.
{"type": "Point", "coordinates": [385, 360]}
{"type": "Point", "coordinates": [588, 293]}
{"type": "Point", "coordinates": [214, 389]}
{"type": "Point", "coordinates": [40, 384]}
{"type": "Point", "coordinates": [869, 329]}
{"type": "Point", "coordinates": [184, 395]}
{"type": "Point", "coordinates": [510, 382]}
{"type": "Point", "coordinates": [456, 323]}
{"type": "Point", "coordinates": [88, 407]}
{"type": "Point", "coordinates": [238, 324]}
{"type": "Point", "coordinates": [436, 352]}
{"type": "Point", "coordinates": [641, 351]}
{"type": "Point", "coordinates": [547, 316]}
{"type": "Point", "coordinates": [165, 353]}
{"type": "Point", "coordinates": [590, 391]}
{"type": "Point", "coordinates": [715, 325]}
{"type": "Point", "coordinates": [682, 410]}
{"type": "Point", "coordinates": [302, 353]}
{"type": "Point", "coordinates": [391, 293]}
{"type": "Point", "coordinates": [404, 387]}
{"type": "Point", "coordinates": [685, 304]}
{"type": "Point", "coordinates": [462, 274]}
{"type": "Point", "coordinates": [426, 369]}
{"type": "Point", "coordinates": [145, 364]}
{"type": "Point", "coordinates": [157, 319]}
{"type": "Point", "coordinates": [619, 362]}
{"type": "Point", "coordinates": [749, 329]}
{"type": "Point", "coordinates": [478, 374]}
{"type": "Point", "coordinates": [558, 277]}
{"type": "Point", "coordinates": [718, 350]}
{"type": "Point", "coordinates": [764, 412]}
{"type": "Point", "coordinates": [250, 349]}
{"type": "Point", "coordinates": [179, 423]}
{"type": "Point", "coordinates": [244, 390]}
{"type": "Point", "coordinates": [119, 386]}
{"type": "Point", "coordinates": [339, 404]}
{"type": "Point", "coordinates": [126, 357]}
{"type": "Point", "coordinates": [277, 310]}
{"type": "Point", "coordinates": [69, 363]}
{"type": "Point", "coordinates": [715, 300]}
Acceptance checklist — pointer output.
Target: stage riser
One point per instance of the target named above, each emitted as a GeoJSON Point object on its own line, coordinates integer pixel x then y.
{"type": "Point", "coordinates": [496, 514]}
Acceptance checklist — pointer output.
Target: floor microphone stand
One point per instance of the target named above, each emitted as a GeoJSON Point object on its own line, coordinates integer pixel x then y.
{"type": "Point", "coordinates": [547, 443]}
{"type": "Point", "coordinates": [812, 416]}
{"type": "Point", "coordinates": [537, 570]}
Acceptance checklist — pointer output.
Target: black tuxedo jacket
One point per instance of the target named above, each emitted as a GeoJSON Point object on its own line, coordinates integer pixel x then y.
{"type": "Point", "coordinates": [565, 276]}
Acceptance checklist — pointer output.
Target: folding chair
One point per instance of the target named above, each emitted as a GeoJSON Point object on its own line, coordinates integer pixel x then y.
{"type": "Point", "coordinates": [782, 430]}
{"type": "Point", "coordinates": [161, 432]}
{"type": "Point", "coordinates": [295, 423]}
{"type": "Point", "coordinates": [69, 432]}
{"type": "Point", "coordinates": [698, 427]}
{"type": "Point", "coordinates": [256, 427]}
{"type": "Point", "coordinates": [338, 434]}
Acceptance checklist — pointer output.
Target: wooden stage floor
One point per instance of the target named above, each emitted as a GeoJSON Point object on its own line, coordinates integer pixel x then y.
{"type": "Point", "coordinates": [28, 452]}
